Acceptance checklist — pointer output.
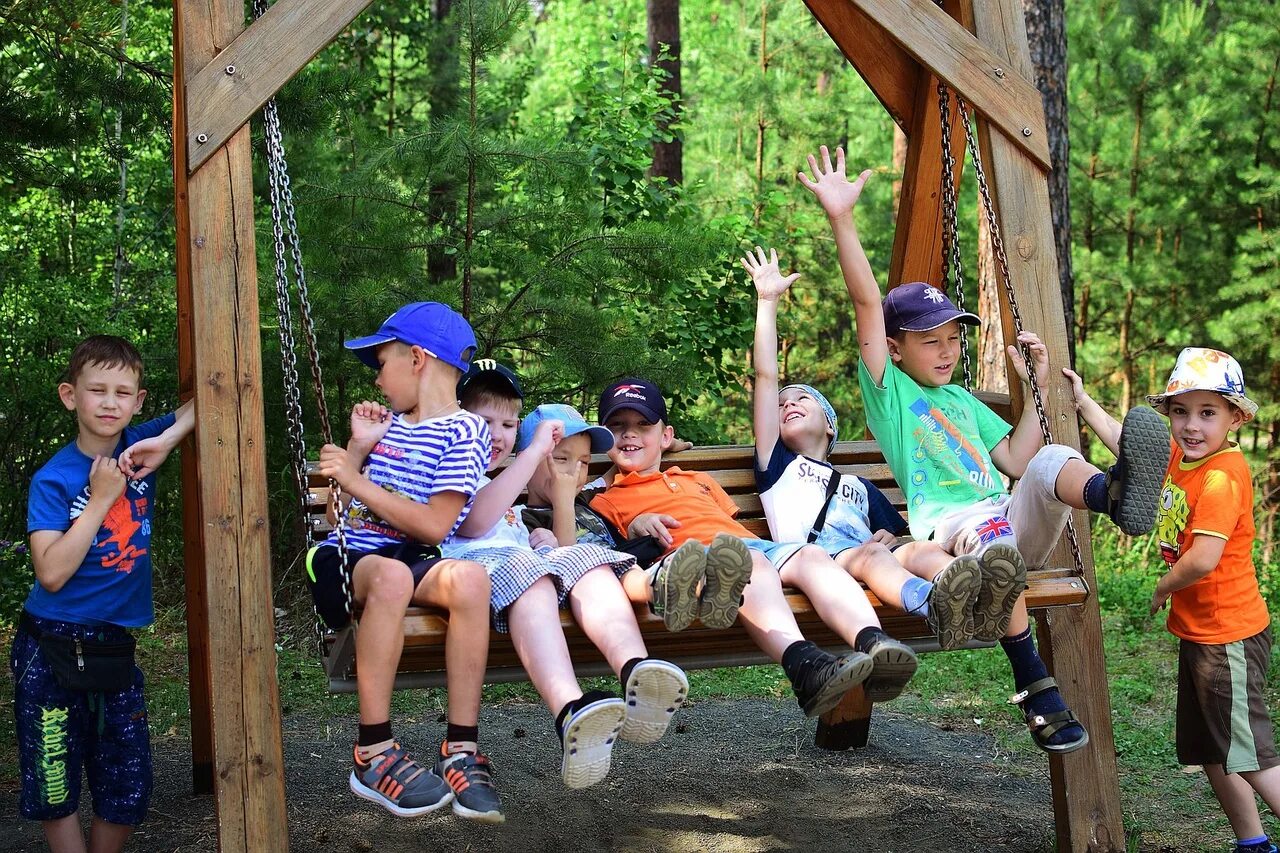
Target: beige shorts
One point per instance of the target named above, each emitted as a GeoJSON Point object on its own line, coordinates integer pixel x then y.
{"type": "Point", "coordinates": [1031, 518]}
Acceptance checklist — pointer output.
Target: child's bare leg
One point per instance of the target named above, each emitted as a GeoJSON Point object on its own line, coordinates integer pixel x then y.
{"type": "Point", "coordinates": [64, 835]}
{"type": "Point", "coordinates": [539, 640]}
{"type": "Point", "coordinates": [602, 608]}
{"type": "Point", "coordinates": [636, 585]}
{"type": "Point", "coordinates": [107, 837]}
{"type": "Point", "coordinates": [1267, 784]}
{"type": "Point", "coordinates": [385, 586]}
{"type": "Point", "coordinates": [1237, 800]}
{"type": "Point", "coordinates": [922, 559]}
{"type": "Point", "coordinates": [765, 612]}
{"type": "Point", "coordinates": [1069, 487]}
{"type": "Point", "coordinates": [874, 565]}
{"type": "Point", "coordinates": [835, 595]}
{"type": "Point", "coordinates": [1020, 620]}
{"type": "Point", "coordinates": [461, 586]}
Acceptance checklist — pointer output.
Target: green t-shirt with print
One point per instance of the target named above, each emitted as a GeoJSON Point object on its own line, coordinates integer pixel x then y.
{"type": "Point", "coordinates": [937, 441]}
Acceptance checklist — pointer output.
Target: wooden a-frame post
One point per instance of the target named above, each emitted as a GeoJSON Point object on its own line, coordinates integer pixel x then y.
{"type": "Point", "coordinates": [224, 73]}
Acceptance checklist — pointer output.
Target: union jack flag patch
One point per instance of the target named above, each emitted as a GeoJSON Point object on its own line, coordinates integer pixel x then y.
{"type": "Point", "coordinates": [993, 528]}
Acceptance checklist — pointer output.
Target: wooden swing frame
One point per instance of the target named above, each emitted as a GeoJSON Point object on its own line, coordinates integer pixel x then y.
{"type": "Point", "coordinates": [224, 72]}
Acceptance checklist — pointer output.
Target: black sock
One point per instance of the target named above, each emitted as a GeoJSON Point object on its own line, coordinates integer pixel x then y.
{"type": "Point", "coordinates": [796, 655]}
{"type": "Point", "coordinates": [868, 637]}
{"type": "Point", "coordinates": [455, 732]}
{"type": "Point", "coordinates": [574, 704]}
{"type": "Point", "coordinates": [626, 671]}
{"type": "Point", "coordinates": [1095, 493]}
{"type": "Point", "coordinates": [372, 734]}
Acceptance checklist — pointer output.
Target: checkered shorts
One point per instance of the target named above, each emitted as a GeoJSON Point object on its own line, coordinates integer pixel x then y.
{"type": "Point", "coordinates": [513, 570]}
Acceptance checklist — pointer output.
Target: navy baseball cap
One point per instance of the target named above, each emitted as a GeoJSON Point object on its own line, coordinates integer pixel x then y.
{"type": "Point", "coordinates": [435, 327]}
{"type": "Point", "coordinates": [483, 366]}
{"type": "Point", "coordinates": [919, 307]}
{"type": "Point", "coordinates": [631, 393]}
{"type": "Point", "coordinates": [574, 424]}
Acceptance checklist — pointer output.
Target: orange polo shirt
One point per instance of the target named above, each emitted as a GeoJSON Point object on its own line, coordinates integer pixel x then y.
{"type": "Point", "coordinates": [1212, 497]}
{"type": "Point", "coordinates": [692, 498]}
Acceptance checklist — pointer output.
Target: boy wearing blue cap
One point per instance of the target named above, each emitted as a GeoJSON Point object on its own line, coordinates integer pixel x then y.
{"type": "Point", "coordinates": [947, 451]}
{"type": "Point", "coordinates": [806, 500]}
{"type": "Point", "coordinates": [529, 587]}
{"type": "Point", "coordinates": [407, 476]}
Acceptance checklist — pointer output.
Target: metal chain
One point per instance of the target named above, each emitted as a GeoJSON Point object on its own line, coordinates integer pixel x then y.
{"type": "Point", "coordinates": [1002, 259]}
{"type": "Point", "coordinates": [282, 200]}
{"type": "Point", "coordinates": [952, 263]}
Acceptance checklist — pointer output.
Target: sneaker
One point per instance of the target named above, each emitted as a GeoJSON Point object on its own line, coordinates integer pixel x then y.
{"type": "Point", "coordinates": [675, 585]}
{"type": "Point", "coordinates": [825, 678]}
{"type": "Point", "coordinates": [892, 665]}
{"type": "Point", "coordinates": [728, 572]}
{"type": "Point", "coordinates": [399, 784]}
{"type": "Point", "coordinates": [951, 602]}
{"type": "Point", "coordinates": [588, 736]}
{"type": "Point", "coordinates": [1135, 481]}
{"type": "Point", "coordinates": [655, 690]}
{"type": "Point", "coordinates": [470, 777]}
{"type": "Point", "coordinates": [1004, 577]}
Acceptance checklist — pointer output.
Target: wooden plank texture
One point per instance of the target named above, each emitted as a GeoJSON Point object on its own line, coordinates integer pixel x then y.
{"type": "Point", "coordinates": [1086, 790]}
{"type": "Point", "coordinates": [218, 275]}
{"type": "Point", "coordinates": [234, 84]}
{"type": "Point", "coordinates": [889, 71]}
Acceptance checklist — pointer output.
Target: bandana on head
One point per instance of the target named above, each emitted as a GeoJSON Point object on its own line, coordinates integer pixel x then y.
{"type": "Point", "coordinates": [827, 410]}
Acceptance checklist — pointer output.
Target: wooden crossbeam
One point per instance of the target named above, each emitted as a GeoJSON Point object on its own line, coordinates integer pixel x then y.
{"type": "Point", "coordinates": [889, 71]}
{"type": "Point", "coordinates": [237, 81]}
{"type": "Point", "coordinates": [1002, 94]}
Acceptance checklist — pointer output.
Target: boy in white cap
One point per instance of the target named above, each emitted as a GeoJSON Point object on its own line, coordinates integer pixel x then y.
{"type": "Point", "coordinates": [1205, 528]}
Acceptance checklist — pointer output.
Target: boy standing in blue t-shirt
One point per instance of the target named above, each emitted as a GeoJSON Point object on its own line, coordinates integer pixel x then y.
{"type": "Point", "coordinates": [78, 698]}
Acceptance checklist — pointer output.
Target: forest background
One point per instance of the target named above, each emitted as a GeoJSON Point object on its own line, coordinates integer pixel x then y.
{"type": "Point", "coordinates": [497, 155]}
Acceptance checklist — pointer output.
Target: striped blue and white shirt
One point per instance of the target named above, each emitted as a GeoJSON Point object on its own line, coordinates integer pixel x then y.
{"type": "Point", "coordinates": [418, 460]}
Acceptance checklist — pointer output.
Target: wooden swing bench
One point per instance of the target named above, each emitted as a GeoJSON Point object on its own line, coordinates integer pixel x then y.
{"type": "Point", "coordinates": [846, 726]}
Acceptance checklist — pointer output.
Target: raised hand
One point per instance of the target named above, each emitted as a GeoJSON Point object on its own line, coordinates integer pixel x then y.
{"type": "Point", "coordinates": [769, 281]}
{"type": "Point", "coordinates": [369, 423]}
{"type": "Point", "coordinates": [1039, 358]}
{"type": "Point", "coordinates": [546, 436]}
{"type": "Point", "coordinates": [1078, 394]}
{"type": "Point", "coordinates": [106, 481]}
{"type": "Point", "coordinates": [834, 191]}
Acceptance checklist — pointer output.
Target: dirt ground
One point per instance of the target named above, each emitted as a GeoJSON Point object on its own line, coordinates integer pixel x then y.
{"type": "Point", "coordinates": [740, 775]}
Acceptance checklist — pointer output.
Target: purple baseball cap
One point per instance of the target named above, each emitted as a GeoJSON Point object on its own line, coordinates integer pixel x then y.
{"type": "Point", "coordinates": [919, 307]}
{"type": "Point", "coordinates": [435, 327]}
{"type": "Point", "coordinates": [631, 393]}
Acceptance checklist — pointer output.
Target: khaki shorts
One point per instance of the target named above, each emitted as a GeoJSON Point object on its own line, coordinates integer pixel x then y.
{"type": "Point", "coordinates": [1222, 711]}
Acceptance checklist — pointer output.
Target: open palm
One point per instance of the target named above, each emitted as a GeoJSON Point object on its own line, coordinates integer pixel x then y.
{"type": "Point", "coordinates": [769, 281]}
{"type": "Point", "coordinates": [835, 192]}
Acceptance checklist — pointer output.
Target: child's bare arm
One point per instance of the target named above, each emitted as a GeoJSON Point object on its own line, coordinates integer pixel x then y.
{"type": "Point", "coordinates": [56, 555]}
{"type": "Point", "coordinates": [500, 494]}
{"type": "Point", "coordinates": [369, 423]}
{"type": "Point", "coordinates": [770, 285]}
{"type": "Point", "coordinates": [1104, 425]}
{"type": "Point", "coordinates": [1013, 454]}
{"type": "Point", "coordinates": [142, 457]}
{"type": "Point", "coordinates": [838, 197]}
{"type": "Point", "coordinates": [564, 493]}
{"type": "Point", "coordinates": [1196, 562]}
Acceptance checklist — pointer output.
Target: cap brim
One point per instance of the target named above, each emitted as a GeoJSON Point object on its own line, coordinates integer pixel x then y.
{"type": "Point", "coordinates": [941, 317]}
{"type": "Point", "coordinates": [364, 348]}
{"type": "Point", "coordinates": [1247, 407]}
{"type": "Point", "coordinates": [650, 414]}
{"type": "Point", "coordinates": [467, 379]}
{"type": "Point", "coordinates": [601, 437]}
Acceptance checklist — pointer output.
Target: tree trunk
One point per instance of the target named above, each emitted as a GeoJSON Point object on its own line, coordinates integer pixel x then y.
{"type": "Point", "coordinates": [442, 204]}
{"type": "Point", "coordinates": [761, 123]}
{"type": "Point", "coordinates": [664, 29]}
{"type": "Point", "coordinates": [1047, 38]}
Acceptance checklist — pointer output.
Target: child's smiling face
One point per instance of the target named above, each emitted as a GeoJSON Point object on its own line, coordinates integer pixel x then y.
{"type": "Point", "coordinates": [1200, 422]}
{"type": "Point", "coordinates": [503, 418]}
{"type": "Point", "coordinates": [802, 424]}
{"type": "Point", "coordinates": [928, 357]}
{"type": "Point", "coordinates": [568, 458]}
{"type": "Point", "coordinates": [637, 442]}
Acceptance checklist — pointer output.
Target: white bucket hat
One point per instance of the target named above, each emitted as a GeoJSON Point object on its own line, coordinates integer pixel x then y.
{"type": "Point", "coordinates": [1204, 369]}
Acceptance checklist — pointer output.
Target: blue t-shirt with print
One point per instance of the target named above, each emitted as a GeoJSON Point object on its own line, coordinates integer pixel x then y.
{"type": "Point", "coordinates": [113, 584]}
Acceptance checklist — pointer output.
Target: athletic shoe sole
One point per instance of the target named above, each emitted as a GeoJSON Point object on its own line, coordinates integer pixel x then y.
{"type": "Point", "coordinates": [728, 571]}
{"type": "Point", "coordinates": [655, 691]}
{"type": "Point", "coordinates": [589, 735]}
{"type": "Point", "coordinates": [491, 816]}
{"type": "Point", "coordinates": [855, 668]}
{"type": "Point", "coordinates": [951, 602]}
{"type": "Point", "coordinates": [893, 665]}
{"type": "Point", "coordinates": [677, 589]}
{"type": "Point", "coordinates": [1004, 577]}
{"type": "Point", "coordinates": [360, 789]}
{"type": "Point", "coordinates": [1139, 471]}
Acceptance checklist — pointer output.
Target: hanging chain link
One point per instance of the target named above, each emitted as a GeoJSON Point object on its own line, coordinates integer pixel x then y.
{"type": "Point", "coordinates": [952, 263]}
{"type": "Point", "coordinates": [1002, 260]}
{"type": "Point", "coordinates": [282, 218]}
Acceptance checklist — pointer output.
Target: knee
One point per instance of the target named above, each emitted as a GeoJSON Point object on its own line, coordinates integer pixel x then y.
{"type": "Point", "coordinates": [388, 583]}
{"type": "Point", "coordinates": [467, 583]}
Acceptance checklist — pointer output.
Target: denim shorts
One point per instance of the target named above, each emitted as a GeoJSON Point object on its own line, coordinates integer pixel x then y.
{"type": "Point", "coordinates": [777, 553]}
{"type": "Point", "coordinates": [66, 734]}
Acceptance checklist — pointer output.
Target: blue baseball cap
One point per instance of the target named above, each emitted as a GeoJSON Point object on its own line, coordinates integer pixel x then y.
{"type": "Point", "coordinates": [483, 366]}
{"type": "Point", "coordinates": [632, 393]}
{"type": "Point", "coordinates": [574, 424]}
{"type": "Point", "coordinates": [442, 332]}
{"type": "Point", "coordinates": [919, 307]}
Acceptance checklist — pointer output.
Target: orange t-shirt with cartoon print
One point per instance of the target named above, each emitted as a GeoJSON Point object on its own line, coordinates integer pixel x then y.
{"type": "Point", "coordinates": [1212, 497]}
{"type": "Point", "coordinates": [692, 498]}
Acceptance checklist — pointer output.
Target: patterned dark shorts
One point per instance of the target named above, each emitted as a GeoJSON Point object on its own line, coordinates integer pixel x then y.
{"type": "Point", "coordinates": [64, 734]}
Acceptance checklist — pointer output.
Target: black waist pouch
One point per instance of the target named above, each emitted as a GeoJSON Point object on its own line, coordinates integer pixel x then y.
{"type": "Point", "coordinates": [87, 665]}
{"type": "Point", "coordinates": [646, 550]}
